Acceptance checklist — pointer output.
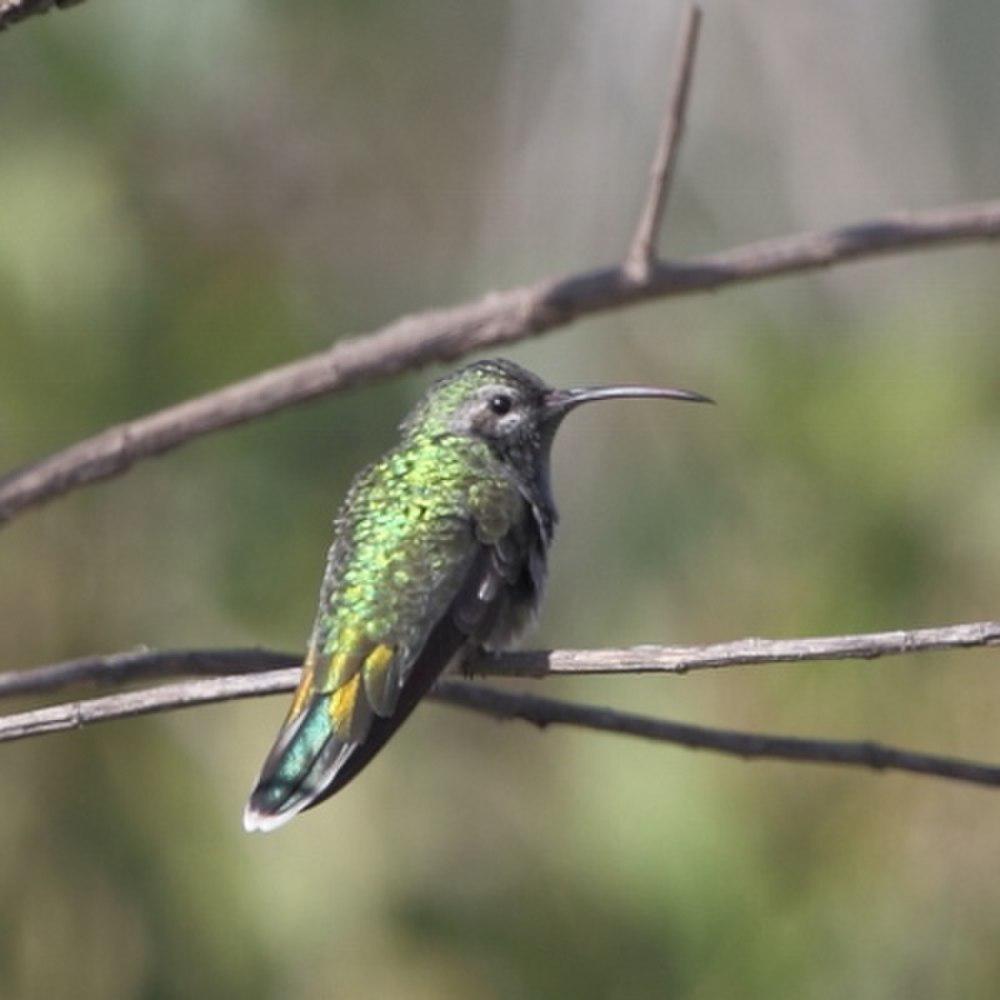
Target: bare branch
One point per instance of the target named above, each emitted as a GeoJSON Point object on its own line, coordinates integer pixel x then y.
{"type": "Point", "coordinates": [206, 691]}
{"type": "Point", "coordinates": [548, 711]}
{"type": "Point", "coordinates": [443, 335]}
{"type": "Point", "coordinates": [743, 652]}
{"type": "Point", "coordinates": [12, 11]}
{"type": "Point", "coordinates": [642, 254]}
{"type": "Point", "coordinates": [503, 705]}
{"type": "Point", "coordinates": [143, 665]}
{"type": "Point", "coordinates": [121, 669]}
{"type": "Point", "coordinates": [500, 318]}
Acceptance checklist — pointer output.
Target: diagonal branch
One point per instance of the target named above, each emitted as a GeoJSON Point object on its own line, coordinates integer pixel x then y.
{"type": "Point", "coordinates": [504, 705]}
{"type": "Point", "coordinates": [143, 665]}
{"type": "Point", "coordinates": [497, 319]}
{"type": "Point", "coordinates": [12, 11]}
{"type": "Point", "coordinates": [642, 254]}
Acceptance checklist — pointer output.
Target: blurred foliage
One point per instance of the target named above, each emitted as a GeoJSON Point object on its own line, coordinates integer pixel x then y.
{"type": "Point", "coordinates": [192, 192]}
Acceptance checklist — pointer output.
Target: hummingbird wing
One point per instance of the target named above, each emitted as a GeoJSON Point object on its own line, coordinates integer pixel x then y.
{"type": "Point", "coordinates": [361, 683]}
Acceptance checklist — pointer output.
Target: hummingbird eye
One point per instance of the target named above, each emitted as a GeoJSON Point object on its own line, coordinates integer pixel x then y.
{"type": "Point", "coordinates": [500, 404]}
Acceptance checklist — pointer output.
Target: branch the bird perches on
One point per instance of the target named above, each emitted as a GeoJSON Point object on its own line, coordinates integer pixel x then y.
{"type": "Point", "coordinates": [257, 672]}
{"type": "Point", "coordinates": [444, 335]}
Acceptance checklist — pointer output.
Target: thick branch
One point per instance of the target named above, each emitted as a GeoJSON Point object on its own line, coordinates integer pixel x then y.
{"type": "Point", "coordinates": [12, 11]}
{"type": "Point", "coordinates": [503, 705]}
{"type": "Point", "coordinates": [642, 253]}
{"type": "Point", "coordinates": [142, 665]}
{"type": "Point", "coordinates": [497, 319]}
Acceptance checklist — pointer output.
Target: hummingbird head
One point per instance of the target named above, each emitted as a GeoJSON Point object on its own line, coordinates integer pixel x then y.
{"type": "Point", "coordinates": [512, 410]}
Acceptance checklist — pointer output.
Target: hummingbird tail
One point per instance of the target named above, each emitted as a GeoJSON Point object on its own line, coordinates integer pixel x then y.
{"type": "Point", "coordinates": [304, 762]}
{"type": "Point", "coordinates": [330, 736]}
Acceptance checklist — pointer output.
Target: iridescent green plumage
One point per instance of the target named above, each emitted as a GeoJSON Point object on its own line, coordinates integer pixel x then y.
{"type": "Point", "coordinates": [439, 547]}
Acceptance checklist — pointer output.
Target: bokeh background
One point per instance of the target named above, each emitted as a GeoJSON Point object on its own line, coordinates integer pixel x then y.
{"type": "Point", "coordinates": [190, 192]}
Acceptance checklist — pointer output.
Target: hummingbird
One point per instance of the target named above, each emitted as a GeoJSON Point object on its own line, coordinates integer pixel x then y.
{"type": "Point", "coordinates": [439, 551]}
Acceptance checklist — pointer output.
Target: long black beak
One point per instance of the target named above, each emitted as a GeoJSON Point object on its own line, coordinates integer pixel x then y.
{"type": "Point", "coordinates": [558, 402]}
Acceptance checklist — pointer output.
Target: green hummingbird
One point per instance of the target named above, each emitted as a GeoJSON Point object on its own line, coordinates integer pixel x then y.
{"type": "Point", "coordinates": [439, 550]}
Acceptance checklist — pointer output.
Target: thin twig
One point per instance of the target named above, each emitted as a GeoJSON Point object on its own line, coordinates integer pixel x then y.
{"type": "Point", "coordinates": [166, 698]}
{"type": "Point", "coordinates": [503, 705]}
{"type": "Point", "coordinates": [642, 253]}
{"type": "Point", "coordinates": [743, 652]}
{"type": "Point", "coordinates": [548, 711]}
{"type": "Point", "coordinates": [497, 319]}
{"type": "Point", "coordinates": [143, 665]}
{"type": "Point", "coordinates": [120, 669]}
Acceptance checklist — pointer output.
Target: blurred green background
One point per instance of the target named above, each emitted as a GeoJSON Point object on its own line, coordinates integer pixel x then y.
{"type": "Point", "coordinates": [190, 192]}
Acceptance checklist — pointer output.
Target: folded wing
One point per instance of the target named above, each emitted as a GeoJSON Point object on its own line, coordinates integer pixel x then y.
{"type": "Point", "coordinates": [350, 702]}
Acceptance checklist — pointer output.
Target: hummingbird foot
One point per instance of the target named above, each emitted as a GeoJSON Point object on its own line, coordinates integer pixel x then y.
{"type": "Point", "coordinates": [469, 662]}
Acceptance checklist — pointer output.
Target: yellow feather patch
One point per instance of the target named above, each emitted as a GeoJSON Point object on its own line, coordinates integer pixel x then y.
{"type": "Point", "coordinates": [342, 703]}
{"type": "Point", "coordinates": [304, 690]}
{"type": "Point", "coordinates": [379, 658]}
{"type": "Point", "coordinates": [344, 664]}
{"type": "Point", "coordinates": [381, 680]}
{"type": "Point", "coordinates": [350, 715]}
{"type": "Point", "coordinates": [350, 650]}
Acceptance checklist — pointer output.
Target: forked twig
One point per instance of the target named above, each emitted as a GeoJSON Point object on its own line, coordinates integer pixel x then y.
{"type": "Point", "coordinates": [498, 319]}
